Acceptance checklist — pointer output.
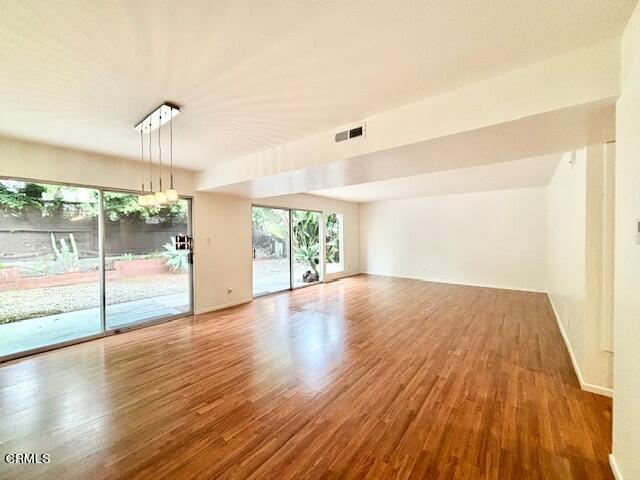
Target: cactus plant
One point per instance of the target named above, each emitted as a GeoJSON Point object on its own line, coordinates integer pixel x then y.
{"type": "Point", "coordinates": [66, 257]}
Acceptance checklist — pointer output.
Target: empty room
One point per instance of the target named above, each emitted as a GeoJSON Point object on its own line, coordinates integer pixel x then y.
{"type": "Point", "coordinates": [324, 239]}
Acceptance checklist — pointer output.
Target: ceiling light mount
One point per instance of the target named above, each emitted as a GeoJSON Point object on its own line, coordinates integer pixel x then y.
{"type": "Point", "coordinates": [158, 117]}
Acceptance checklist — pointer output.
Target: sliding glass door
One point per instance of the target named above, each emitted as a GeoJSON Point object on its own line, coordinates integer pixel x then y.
{"type": "Point", "coordinates": [334, 244]}
{"type": "Point", "coordinates": [49, 265]}
{"type": "Point", "coordinates": [286, 249]}
{"type": "Point", "coordinates": [146, 278]}
{"type": "Point", "coordinates": [305, 227]}
{"type": "Point", "coordinates": [54, 240]}
{"type": "Point", "coordinates": [271, 249]}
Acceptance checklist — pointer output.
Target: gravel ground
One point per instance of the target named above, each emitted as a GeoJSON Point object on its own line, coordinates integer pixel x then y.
{"type": "Point", "coordinates": [18, 305]}
{"type": "Point", "coordinates": [267, 267]}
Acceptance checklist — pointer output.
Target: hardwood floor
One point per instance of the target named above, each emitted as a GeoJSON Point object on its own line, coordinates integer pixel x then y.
{"type": "Point", "coordinates": [367, 377]}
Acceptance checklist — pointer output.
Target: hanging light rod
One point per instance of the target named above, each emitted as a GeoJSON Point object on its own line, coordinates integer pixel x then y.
{"type": "Point", "coordinates": [158, 117]}
{"type": "Point", "coordinates": [154, 121]}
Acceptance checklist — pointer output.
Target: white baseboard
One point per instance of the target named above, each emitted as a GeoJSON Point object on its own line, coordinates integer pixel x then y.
{"type": "Point", "coordinates": [451, 282]}
{"type": "Point", "coordinates": [225, 305]}
{"type": "Point", "coordinates": [247, 300]}
{"type": "Point", "coordinates": [337, 276]}
{"type": "Point", "coordinates": [614, 468]}
{"type": "Point", "coordinates": [589, 387]}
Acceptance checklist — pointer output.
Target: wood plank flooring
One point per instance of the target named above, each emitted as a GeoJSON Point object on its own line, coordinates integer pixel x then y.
{"type": "Point", "coordinates": [367, 377]}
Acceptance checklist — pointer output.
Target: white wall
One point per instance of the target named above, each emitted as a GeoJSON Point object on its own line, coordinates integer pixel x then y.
{"type": "Point", "coordinates": [599, 250]}
{"type": "Point", "coordinates": [579, 253]}
{"type": "Point", "coordinates": [222, 251]}
{"type": "Point", "coordinates": [21, 159]}
{"type": "Point", "coordinates": [626, 401]}
{"type": "Point", "coordinates": [487, 238]}
{"type": "Point", "coordinates": [566, 246]}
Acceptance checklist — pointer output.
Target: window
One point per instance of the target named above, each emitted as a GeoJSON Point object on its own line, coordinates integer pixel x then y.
{"type": "Point", "coordinates": [52, 280]}
{"type": "Point", "coordinates": [334, 244]}
{"type": "Point", "coordinates": [145, 276]}
{"type": "Point", "coordinates": [49, 265]}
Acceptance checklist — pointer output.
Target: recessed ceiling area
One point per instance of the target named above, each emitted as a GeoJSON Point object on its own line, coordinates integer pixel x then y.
{"type": "Point", "coordinates": [526, 173]}
{"type": "Point", "coordinates": [544, 134]}
{"type": "Point", "coordinates": [252, 75]}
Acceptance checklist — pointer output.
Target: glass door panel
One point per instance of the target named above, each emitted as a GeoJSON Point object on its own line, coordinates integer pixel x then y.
{"type": "Point", "coordinates": [49, 265]}
{"type": "Point", "coordinates": [146, 278]}
{"type": "Point", "coordinates": [333, 243]}
{"type": "Point", "coordinates": [305, 227]}
{"type": "Point", "coordinates": [271, 248]}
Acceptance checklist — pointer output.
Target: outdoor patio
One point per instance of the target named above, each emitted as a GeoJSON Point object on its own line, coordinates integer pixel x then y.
{"type": "Point", "coordinates": [272, 275]}
{"type": "Point", "coordinates": [37, 332]}
{"type": "Point", "coordinates": [36, 317]}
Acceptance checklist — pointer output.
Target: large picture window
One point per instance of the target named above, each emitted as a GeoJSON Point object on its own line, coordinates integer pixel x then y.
{"type": "Point", "coordinates": [52, 280]}
{"type": "Point", "coordinates": [334, 244]}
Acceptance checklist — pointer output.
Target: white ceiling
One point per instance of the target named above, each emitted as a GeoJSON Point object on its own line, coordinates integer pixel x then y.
{"type": "Point", "coordinates": [254, 74]}
{"type": "Point", "coordinates": [530, 172]}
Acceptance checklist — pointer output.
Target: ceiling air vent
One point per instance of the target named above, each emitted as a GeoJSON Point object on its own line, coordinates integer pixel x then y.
{"type": "Point", "coordinates": [349, 134]}
{"type": "Point", "coordinates": [342, 136]}
{"type": "Point", "coordinates": [355, 132]}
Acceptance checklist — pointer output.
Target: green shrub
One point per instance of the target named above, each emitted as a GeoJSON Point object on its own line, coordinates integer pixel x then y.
{"type": "Point", "coordinates": [332, 238]}
{"type": "Point", "coordinates": [306, 241]}
{"type": "Point", "coordinates": [177, 260]}
{"type": "Point", "coordinates": [17, 196]}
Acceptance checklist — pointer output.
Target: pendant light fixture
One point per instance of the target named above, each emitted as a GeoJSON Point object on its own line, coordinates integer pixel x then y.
{"type": "Point", "coordinates": [142, 198]}
{"type": "Point", "coordinates": [161, 115]}
{"type": "Point", "coordinates": [151, 198]}
{"type": "Point", "coordinates": [161, 197]}
{"type": "Point", "coordinates": [172, 194]}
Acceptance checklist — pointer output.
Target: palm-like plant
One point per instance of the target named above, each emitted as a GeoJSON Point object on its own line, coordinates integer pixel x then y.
{"type": "Point", "coordinates": [177, 260]}
{"type": "Point", "coordinates": [271, 222]}
{"type": "Point", "coordinates": [332, 238]}
{"type": "Point", "coordinates": [306, 237]}
{"type": "Point", "coordinates": [306, 232]}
